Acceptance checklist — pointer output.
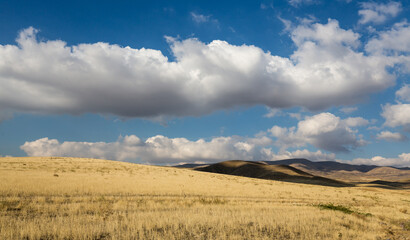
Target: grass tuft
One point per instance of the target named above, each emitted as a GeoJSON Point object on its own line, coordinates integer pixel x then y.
{"type": "Point", "coordinates": [344, 209]}
{"type": "Point", "coordinates": [340, 208]}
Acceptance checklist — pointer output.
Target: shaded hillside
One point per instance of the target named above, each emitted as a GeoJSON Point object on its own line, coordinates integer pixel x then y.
{"type": "Point", "coordinates": [324, 166]}
{"type": "Point", "coordinates": [264, 171]}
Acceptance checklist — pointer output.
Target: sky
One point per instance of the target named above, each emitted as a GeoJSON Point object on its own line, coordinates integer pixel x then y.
{"type": "Point", "coordinates": [170, 82]}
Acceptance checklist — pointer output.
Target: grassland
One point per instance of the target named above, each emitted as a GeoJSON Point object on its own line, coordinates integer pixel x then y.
{"type": "Point", "coordinates": [71, 198]}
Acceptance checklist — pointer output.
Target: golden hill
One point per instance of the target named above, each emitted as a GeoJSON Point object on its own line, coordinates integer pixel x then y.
{"type": "Point", "coordinates": [73, 198]}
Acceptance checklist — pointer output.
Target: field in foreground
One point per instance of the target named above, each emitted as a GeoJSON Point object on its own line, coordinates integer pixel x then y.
{"type": "Point", "coordinates": [72, 198]}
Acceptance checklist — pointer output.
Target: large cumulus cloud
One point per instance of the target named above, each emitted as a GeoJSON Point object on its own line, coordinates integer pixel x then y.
{"type": "Point", "coordinates": [50, 77]}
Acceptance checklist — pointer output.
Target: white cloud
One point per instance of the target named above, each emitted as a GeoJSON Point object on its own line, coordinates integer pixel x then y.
{"type": "Point", "coordinates": [161, 149]}
{"type": "Point", "coordinates": [403, 93]}
{"type": "Point", "coordinates": [348, 110]}
{"type": "Point", "coordinates": [403, 160]}
{"type": "Point", "coordinates": [324, 131]}
{"type": "Point", "coordinates": [378, 13]}
{"type": "Point", "coordinates": [397, 115]}
{"type": "Point", "coordinates": [391, 136]}
{"type": "Point", "coordinates": [49, 77]}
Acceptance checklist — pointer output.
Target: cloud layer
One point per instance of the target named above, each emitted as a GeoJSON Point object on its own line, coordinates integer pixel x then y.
{"type": "Point", "coordinates": [50, 77]}
{"type": "Point", "coordinates": [164, 150]}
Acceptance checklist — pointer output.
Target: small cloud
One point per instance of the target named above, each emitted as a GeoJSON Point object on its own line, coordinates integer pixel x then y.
{"type": "Point", "coordinates": [374, 128]}
{"type": "Point", "coordinates": [297, 3]}
{"type": "Point", "coordinates": [272, 112]}
{"type": "Point", "coordinates": [376, 13]}
{"type": "Point", "coordinates": [222, 130]}
{"type": "Point", "coordinates": [169, 10]}
{"type": "Point", "coordinates": [199, 18]}
{"type": "Point", "coordinates": [403, 93]}
{"type": "Point", "coordinates": [297, 116]}
{"type": "Point", "coordinates": [392, 136]}
{"type": "Point", "coordinates": [348, 110]}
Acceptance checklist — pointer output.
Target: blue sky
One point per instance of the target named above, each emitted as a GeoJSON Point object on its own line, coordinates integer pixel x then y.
{"type": "Point", "coordinates": [163, 82]}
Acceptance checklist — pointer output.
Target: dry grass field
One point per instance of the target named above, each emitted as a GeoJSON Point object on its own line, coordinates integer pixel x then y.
{"type": "Point", "coordinates": [72, 198]}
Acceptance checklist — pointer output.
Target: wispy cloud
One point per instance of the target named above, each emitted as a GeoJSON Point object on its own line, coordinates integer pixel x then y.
{"type": "Point", "coordinates": [348, 110]}
{"type": "Point", "coordinates": [297, 3]}
{"type": "Point", "coordinates": [200, 18]}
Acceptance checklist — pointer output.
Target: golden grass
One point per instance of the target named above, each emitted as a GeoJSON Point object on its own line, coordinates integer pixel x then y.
{"type": "Point", "coordinates": [72, 198]}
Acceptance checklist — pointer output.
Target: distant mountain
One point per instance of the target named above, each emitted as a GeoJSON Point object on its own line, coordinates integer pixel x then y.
{"type": "Point", "coordinates": [190, 165]}
{"type": "Point", "coordinates": [323, 172]}
{"type": "Point", "coordinates": [266, 171]}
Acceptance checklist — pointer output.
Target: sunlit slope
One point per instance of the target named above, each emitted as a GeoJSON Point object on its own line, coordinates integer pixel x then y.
{"type": "Point", "coordinates": [72, 198]}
